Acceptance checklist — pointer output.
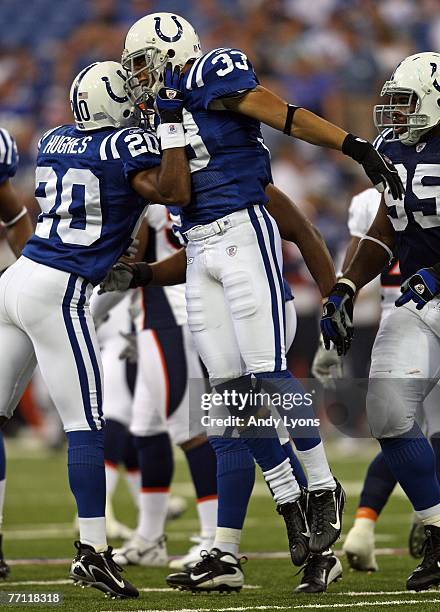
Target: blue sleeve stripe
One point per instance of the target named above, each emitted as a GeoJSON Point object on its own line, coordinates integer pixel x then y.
{"type": "Point", "coordinates": [102, 151]}
{"type": "Point", "coordinates": [2, 149]}
{"type": "Point", "coordinates": [9, 147]}
{"type": "Point", "coordinates": [114, 153]}
{"type": "Point", "coordinates": [46, 134]}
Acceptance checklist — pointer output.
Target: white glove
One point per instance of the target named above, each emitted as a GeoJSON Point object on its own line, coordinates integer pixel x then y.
{"type": "Point", "coordinates": [118, 278]}
{"type": "Point", "coordinates": [327, 365]}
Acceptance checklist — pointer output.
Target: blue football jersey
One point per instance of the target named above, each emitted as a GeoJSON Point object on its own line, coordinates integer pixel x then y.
{"type": "Point", "coordinates": [230, 165]}
{"type": "Point", "coordinates": [416, 218]}
{"type": "Point", "coordinates": [8, 156]}
{"type": "Point", "coordinates": [89, 211]}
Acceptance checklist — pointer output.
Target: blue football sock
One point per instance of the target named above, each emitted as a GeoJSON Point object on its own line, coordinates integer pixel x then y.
{"type": "Point", "coordinates": [115, 439]}
{"type": "Point", "coordinates": [435, 443]}
{"type": "Point", "coordinates": [86, 471]}
{"type": "Point", "coordinates": [2, 458]}
{"type": "Point", "coordinates": [297, 468]}
{"type": "Point", "coordinates": [412, 461]}
{"type": "Point", "coordinates": [378, 485]}
{"type": "Point", "coordinates": [235, 480]}
{"type": "Point", "coordinates": [268, 452]}
{"type": "Point", "coordinates": [156, 461]}
{"type": "Point", "coordinates": [295, 404]}
{"type": "Point", "coordinates": [202, 464]}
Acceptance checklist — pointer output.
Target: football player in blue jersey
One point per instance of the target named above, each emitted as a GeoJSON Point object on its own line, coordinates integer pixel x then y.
{"type": "Point", "coordinates": [94, 180]}
{"type": "Point", "coordinates": [234, 283]}
{"type": "Point", "coordinates": [406, 352]}
{"type": "Point", "coordinates": [236, 474]}
{"type": "Point", "coordinates": [15, 219]}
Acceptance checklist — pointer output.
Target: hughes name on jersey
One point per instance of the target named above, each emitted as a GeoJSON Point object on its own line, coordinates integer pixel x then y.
{"type": "Point", "coordinates": [415, 218]}
{"type": "Point", "coordinates": [89, 210]}
{"type": "Point", "coordinates": [229, 163]}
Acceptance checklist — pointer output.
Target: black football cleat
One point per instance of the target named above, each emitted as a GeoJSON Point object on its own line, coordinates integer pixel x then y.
{"type": "Point", "coordinates": [98, 570]}
{"type": "Point", "coordinates": [5, 570]}
{"type": "Point", "coordinates": [217, 571]}
{"type": "Point", "coordinates": [295, 518]}
{"type": "Point", "coordinates": [416, 540]}
{"type": "Point", "coordinates": [319, 572]}
{"type": "Point", "coordinates": [324, 514]}
{"type": "Point", "coordinates": [427, 574]}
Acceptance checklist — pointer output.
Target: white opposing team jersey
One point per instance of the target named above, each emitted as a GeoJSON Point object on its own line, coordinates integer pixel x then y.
{"type": "Point", "coordinates": [162, 307]}
{"type": "Point", "coordinates": [361, 214]}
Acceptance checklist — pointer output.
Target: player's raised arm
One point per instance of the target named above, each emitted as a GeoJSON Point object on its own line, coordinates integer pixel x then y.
{"type": "Point", "coordinates": [169, 183]}
{"type": "Point", "coordinates": [295, 227]}
{"type": "Point", "coordinates": [265, 106]}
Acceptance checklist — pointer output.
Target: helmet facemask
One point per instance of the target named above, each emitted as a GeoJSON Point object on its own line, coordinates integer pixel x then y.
{"type": "Point", "coordinates": [143, 69]}
{"type": "Point", "coordinates": [400, 115]}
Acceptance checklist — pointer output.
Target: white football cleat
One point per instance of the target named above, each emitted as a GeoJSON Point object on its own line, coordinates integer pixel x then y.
{"type": "Point", "coordinates": [359, 547]}
{"type": "Point", "coordinates": [193, 556]}
{"type": "Point", "coordinates": [176, 507]}
{"type": "Point", "coordinates": [139, 551]}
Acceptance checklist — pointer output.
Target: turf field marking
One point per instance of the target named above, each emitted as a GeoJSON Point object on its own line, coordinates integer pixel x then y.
{"type": "Point", "coordinates": [402, 602]}
{"type": "Point", "coordinates": [63, 581]}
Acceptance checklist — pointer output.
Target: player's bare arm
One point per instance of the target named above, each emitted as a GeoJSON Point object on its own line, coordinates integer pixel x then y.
{"type": "Point", "coordinates": [295, 227]}
{"type": "Point", "coordinates": [170, 183]}
{"type": "Point", "coordinates": [15, 218]}
{"type": "Point", "coordinates": [373, 252]}
{"type": "Point", "coordinates": [265, 106]}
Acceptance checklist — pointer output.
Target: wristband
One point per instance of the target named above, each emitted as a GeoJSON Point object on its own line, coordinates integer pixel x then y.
{"type": "Point", "coordinates": [348, 282]}
{"type": "Point", "coordinates": [172, 136]}
{"type": "Point", "coordinates": [142, 275]}
{"type": "Point", "coordinates": [354, 147]}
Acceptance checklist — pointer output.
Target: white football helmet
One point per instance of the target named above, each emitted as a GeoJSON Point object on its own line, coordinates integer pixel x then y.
{"type": "Point", "coordinates": [98, 98]}
{"type": "Point", "coordinates": [414, 99]}
{"type": "Point", "coordinates": [150, 43]}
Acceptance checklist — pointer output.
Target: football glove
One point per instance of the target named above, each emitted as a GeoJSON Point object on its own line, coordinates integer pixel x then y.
{"type": "Point", "coordinates": [421, 287]}
{"type": "Point", "coordinates": [123, 276]}
{"type": "Point", "coordinates": [169, 100]}
{"type": "Point", "coordinates": [337, 317]}
{"type": "Point", "coordinates": [379, 169]}
{"type": "Point", "coordinates": [327, 365]}
{"type": "Point", "coordinates": [129, 352]}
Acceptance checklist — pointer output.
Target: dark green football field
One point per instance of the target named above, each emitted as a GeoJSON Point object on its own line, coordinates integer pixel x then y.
{"type": "Point", "coordinates": [38, 527]}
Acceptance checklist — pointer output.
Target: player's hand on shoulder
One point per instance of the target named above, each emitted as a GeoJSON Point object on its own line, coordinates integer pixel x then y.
{"type": "Point", "coordinates": [327, 365]}
{"type": "Point", "coordinates": [379, 169]}
{"type": "Point", "coordinates": [421, 287]}
{"type": "Point", "coordinates": [337, 316]}
{"type": "Point", "coordinates": [169, 100]}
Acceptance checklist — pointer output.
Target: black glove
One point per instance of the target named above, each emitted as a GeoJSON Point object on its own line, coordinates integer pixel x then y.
{"type": "Point", "coordinates": [379, 169]}
{"type": "Point", "coordinates": [169, 100]}
{"type": "Point", "coordinates": [337, 317]}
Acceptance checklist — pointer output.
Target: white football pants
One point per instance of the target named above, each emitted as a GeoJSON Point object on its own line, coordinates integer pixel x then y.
{"type": "Point", "coordinates": [44, 317]}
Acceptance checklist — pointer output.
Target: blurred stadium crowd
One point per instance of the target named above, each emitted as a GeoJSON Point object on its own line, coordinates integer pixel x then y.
{"type": "Point", "coordinates": [331, 56]}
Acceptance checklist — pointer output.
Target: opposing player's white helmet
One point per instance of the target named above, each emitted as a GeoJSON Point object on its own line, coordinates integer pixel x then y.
{"type": "Point", "coordinates": [418, 78]}
{"type": "Point", "coordinates": [98, 98]}
{"type": "Point", "coordinates": [150, 43]}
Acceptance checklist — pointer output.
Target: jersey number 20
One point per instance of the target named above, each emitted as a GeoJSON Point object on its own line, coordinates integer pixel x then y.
{"type": "Point", "coordinates": [73, 200]}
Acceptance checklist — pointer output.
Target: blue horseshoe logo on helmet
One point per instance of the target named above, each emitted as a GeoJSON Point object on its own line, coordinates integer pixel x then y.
{"type": "Point", "coordinates": [433, 71]}
{"type": "Point", "coordinates": [110, 91]}
{"type": "Point", "coordinates": [163, 36]}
